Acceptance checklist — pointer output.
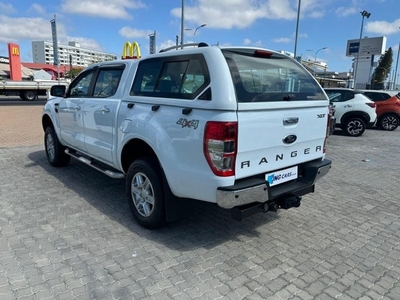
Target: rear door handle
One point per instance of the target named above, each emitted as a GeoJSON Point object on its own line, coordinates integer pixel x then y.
{"type": "Point", "coordinates": [290, 121]}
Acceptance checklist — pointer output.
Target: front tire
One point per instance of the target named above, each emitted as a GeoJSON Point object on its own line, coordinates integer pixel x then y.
{"type": "Point", "coordinates": [389, 122]}
{"type": "Point", "coordinates": [354, 126]}
{"type": "Point", "coordinates": [54, 150]}
{"type": "Point", "coordinates": [144, 189]}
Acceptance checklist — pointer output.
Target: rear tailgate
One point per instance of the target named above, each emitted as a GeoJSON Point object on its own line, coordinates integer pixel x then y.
{"type": "Point", "coordinates": [282, 113]}
{"type": "Point", "coordinates": [274, 139]}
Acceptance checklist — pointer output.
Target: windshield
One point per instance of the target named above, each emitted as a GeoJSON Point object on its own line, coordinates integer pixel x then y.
{"type": "Point", "coordinates": [262, 76]}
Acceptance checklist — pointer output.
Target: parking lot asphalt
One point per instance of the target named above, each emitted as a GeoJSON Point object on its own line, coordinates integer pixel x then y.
{"type": "Point", "coordinates": [68, 234]}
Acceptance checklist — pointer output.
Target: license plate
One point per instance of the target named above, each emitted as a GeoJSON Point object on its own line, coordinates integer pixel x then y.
{"type": "Point", "coordinates": [281, 176]}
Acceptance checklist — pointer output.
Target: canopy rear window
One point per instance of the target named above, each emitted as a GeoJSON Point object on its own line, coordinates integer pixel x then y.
{"type": "Point", "coordinates": [262, 76]}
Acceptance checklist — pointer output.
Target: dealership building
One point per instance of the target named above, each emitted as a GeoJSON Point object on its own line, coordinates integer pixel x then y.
{"type": "Point", "coordinates": [42, 53]}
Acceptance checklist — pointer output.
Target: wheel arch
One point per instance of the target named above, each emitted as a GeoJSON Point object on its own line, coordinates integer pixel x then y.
{"type": "Point", "coordinates": [355, 114]}
{"type": "Point", "coordinates": [175, 208]}
{"type": "Point", "coordinates": [134, 149]}
{"type": "Point", "coordinates": [388, 113]}
{"type": "Point", "coordinates": [46, 122]}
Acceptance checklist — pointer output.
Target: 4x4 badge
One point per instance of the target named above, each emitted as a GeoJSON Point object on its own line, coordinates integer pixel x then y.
{"type": "Point", "coordinates": [188, 123]}
{"type": "Point", "coordinates": [289, 139]}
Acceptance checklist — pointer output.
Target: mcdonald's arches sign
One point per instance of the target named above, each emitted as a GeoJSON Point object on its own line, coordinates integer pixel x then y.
{"type": "Point", "coordinates": [131, 51]}
{"type": "Point", "coordinates": [15, 61]}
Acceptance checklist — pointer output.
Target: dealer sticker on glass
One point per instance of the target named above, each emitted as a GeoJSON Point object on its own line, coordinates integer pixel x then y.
{"type": "Point", "coordinates": [281, 176]}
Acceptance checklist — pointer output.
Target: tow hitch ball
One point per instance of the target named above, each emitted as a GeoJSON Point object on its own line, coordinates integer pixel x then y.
{"type": "Point", "coordinates": [289, 202]}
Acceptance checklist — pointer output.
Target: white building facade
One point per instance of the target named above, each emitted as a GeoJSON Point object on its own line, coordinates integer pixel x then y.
{"type": "Point", "coordinates": [42, 52]}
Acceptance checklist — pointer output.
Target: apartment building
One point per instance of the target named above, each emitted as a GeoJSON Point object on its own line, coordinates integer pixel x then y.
{"type": "Point", "coordinates": [42, 52]}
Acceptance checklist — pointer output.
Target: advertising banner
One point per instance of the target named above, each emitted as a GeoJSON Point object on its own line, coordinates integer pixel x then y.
{"type": "Point", "coordinates": [15, 61]}
{"type": "Point", "coordinates": [369, 46]}
{"type": "Point", "coordinates": [152, 43]}
{"type": "Point", "coordinates": [55, 44]}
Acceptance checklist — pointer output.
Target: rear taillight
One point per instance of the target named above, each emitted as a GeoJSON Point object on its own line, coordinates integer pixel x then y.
{"type": "Point", "coordinates": [220, 147]}
{"type": "Point", "coordinates": [328, 127]}
{"type": "Point", "coordinates": [373, 105]}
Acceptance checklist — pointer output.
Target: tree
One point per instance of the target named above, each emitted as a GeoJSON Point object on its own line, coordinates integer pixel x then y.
{"type": "Point", "coordinates": [382, 71]}
{"type": "Point", "coordinates": [75, 72]}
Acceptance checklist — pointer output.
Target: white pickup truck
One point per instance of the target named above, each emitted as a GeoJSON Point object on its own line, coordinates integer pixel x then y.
{"type": "Point", "coordinates": [241, 127]}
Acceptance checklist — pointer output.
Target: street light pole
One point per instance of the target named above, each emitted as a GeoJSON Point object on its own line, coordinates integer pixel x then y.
{"type": "Point", "coordinates": [182, 21]}
{"type": "Point", "coordinates": [194, 31]}
{"type": "Point", "coordinates": [297, 29]}
{"type": "Point", "coordinates": [315, 58]}
{"type": "Point", "coordinates": [364, 13]}
{"type": "Point", "coordinates": [397, 63]}
{"type": "Point", "coordinates": [194, 34]}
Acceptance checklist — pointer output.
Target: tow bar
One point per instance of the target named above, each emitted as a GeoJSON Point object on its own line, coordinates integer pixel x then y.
{"type": "Point", "coordinates": [241, 212]}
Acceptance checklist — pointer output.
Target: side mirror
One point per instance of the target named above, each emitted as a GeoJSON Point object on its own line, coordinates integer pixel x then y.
{"type": "Point", "coordinates": [58, 90]}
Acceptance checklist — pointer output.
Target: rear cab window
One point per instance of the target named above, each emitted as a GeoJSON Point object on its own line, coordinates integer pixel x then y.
{"type": "Point", "coordinates": [178, 77]}
{"type": "Point", "coordinates": [264, 76]}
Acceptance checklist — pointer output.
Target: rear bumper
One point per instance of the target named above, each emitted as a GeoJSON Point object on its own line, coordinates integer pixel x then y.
{"type": "Point", "coordinates": [258, 189]}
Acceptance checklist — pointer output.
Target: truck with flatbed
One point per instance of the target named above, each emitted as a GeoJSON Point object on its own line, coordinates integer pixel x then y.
{"type": "Point", "coordinates": [27, 90]}
{"type": "Point", "coordinates": [243, 128]}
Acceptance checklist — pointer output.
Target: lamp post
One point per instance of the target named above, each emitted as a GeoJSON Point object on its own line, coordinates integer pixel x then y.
{"type": "Point", "coordinates": [397, 63]}
{"type": "Point", "coordinates": [315, 57]}
{"type": "Point", "coordinates": [364, 13]}
{"type": "Point", "coordinates": [297, 29]}
{"type": "Point", "coordinates": [182, 21]}
{"type": "Point", "coordinates": [194, 32]}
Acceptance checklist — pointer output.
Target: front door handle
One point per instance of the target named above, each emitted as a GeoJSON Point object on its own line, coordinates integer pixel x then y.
{"type": "Point", "coordinates": [105, 110]}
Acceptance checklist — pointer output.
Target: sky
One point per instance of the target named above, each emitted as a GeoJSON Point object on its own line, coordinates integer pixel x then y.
{"type": "Point", "coordinates": [105, 25]}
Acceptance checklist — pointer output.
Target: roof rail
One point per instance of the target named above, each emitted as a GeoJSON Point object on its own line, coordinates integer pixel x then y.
{"type": "Point", "coordinates": [177, 47]}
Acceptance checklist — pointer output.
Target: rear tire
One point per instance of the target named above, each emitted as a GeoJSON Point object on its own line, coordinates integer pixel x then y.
{"type": "Point", "coordinates": [28, 95]}
{"type": "Point", "coordinates": [354, 126]}
{"type": "Point", "coordinates": [145, 193]}
{"type": "Point", "coordinates": [54, 150]}
{"type": "Point", "coordinates": [389, 122]}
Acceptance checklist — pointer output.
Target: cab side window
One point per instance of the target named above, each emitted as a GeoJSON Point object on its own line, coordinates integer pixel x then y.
{"type": "Point", "coordinates": [80, 88]}
{"type": "Point", "coordinates": [107, 83]}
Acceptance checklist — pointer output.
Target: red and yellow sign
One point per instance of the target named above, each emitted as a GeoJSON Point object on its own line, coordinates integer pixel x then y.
{"type": "Point", "coordinates": [15, 61]}
{"type": "Point", "coordinates": [131, 51]}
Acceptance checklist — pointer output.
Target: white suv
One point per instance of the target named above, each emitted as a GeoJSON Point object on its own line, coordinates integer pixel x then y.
{"type": "Point", "coordinates": [354, 112]}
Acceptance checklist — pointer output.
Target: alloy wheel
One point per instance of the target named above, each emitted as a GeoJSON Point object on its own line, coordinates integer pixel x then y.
{"type": "Point", "coordinates": [50, 148]}
{"type": "Point", "coordinates": [390, 122]}
{"type": "Point", "coordinates": [355, 127]}
{"type": "Point", "coordinates": [142, 194]}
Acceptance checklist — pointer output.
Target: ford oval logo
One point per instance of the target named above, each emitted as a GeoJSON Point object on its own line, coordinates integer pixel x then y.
{"type": "Point", "coordinates": [289, 139]}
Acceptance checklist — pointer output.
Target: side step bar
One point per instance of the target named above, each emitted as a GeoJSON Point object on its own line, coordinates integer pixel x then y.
{"type": "Point", "coordinates": [94, 165]}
